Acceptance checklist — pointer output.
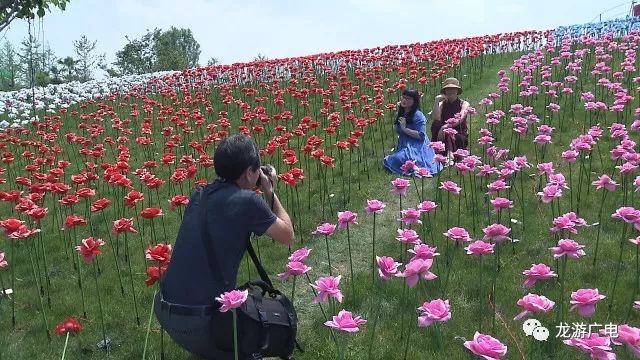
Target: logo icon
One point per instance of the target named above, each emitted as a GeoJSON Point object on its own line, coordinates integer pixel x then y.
{"type": "Point", "coordinates": [533, 327]}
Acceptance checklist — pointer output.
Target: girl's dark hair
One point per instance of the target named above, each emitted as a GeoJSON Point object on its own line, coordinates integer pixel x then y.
{"type": "Point", "coordinates": [413, 93]}
{"type": "Point", "coordinates": [234, 155]}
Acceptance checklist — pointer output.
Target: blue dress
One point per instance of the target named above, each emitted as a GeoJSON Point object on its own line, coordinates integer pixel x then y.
{"type": "Point", "coordinates": [410, 148]}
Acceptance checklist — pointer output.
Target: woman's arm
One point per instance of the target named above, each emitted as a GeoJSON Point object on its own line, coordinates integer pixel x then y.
{"type": "Point", "coordinates": [412, 133]}
{"type": "Point", "coordinates": [420, 121]}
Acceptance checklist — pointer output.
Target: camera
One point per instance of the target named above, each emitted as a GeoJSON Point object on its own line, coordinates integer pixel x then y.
{"type": "Point", "coordinates": [268, 170]}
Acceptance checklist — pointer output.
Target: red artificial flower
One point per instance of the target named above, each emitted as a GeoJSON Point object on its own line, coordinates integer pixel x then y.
{"type": "Point", "coordinates": [123, 225]}
{"type": "Point", "coordinates": [90, 248]}
{"type": "Point", "coordinates": [160, 253]}
{"type": "Point", "coordinates": [74, 220]}
{"type": "Point", "coordinates": [150, 213]}
{"type": "Point", "coordinates": [178, 200]}
{"type": "Point", "coordinates": [85, 192]}
{"type": "Point", "coordinates": [37, 213]}
{"type": "Point", "coordinates": [11, 224]}
{"type": "Point", "coordinates": [153, 274]}
{"type": "Point", "coordinates": [132, 198]}
{"type": "Point", "coordinates": [100, 204]}
{"type": "Point", "coordinates": [69, 325]}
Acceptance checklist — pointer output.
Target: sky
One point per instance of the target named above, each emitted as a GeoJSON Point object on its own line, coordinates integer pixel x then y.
{"type": "Point", "coordinates": [236, 31]}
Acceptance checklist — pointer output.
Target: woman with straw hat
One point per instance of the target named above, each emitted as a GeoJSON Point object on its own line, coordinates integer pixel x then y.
{"type": "Point", "coordinates": [413, 152]}
{"type": "Point", "coordinates": [449, 116]}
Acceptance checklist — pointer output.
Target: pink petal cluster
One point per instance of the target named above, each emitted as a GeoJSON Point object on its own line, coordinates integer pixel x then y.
{"type": "Point", "coordinates": [479, 247]}
{"type": "Point", "coordinates": [374, 206]}
{"type": "Point", "coordinates": [345, 218]}
{"type": "Point", "coordinates": [568, 247]}
{"type": "Point", "coordinates": [410, 216]}
{"type": "Point", "coordinates": [417, 269]}
{"type": "Point", "coordinates": [387, 267]}
{"type": "Point", "coordinates": [496, 233]}
{"type": "Point", "coordinates": [399, 186]}
{"type": "Point", "coordinates": [327, 287]}
{"type": "Point", "coordinates": [451, 187]}
{"type": "Point", "coordinates": [537, 272]}
{"type": "Point", "coordinates": [433, 311]}
{"type": "Point", "coordinates": [423, 251]}
{"type": "Point", "coordinates": [585, 300]}
{"type": "Point", "coordinates": [345, 321]}
{"type": "Point", "coordinates": [486, 346]}
{"type": "Point", "coordinates": [533, 303]}
{"type": "Point", "coordinates": [457, 234]}
{"type": "Point", "coordinates": [232, 299]}
{"type": "Point", "coordinates": [325, 229]}
{"type": "Point", "coordinates": [595, 345]}
{"type": "Point", "coordinates": [408, 236]}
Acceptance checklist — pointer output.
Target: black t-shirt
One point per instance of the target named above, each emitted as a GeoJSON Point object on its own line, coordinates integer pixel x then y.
{"type": "Point", "coordinates": [232, 215]}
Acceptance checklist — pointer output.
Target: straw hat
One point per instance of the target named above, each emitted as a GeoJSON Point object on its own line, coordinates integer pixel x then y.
{"type": "Point", "coordinates": [451, 83]}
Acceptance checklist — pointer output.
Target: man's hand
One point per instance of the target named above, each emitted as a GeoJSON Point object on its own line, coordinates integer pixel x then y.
{"type": "Point", "coordinates": [439, 98]}
{"type": "Point", "coordinates": [266, 182]}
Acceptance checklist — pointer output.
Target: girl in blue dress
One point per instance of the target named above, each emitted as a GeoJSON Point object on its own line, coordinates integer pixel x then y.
{"type": "Point", "coordinates": [413, 143]}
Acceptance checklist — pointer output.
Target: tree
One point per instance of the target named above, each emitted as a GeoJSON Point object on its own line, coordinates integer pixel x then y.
{"type": "Point", "coordinates": [68, 67]}
{"type": "Point", "coordinates": [213, 61]}
{"type": "Point", "coordinates": [26, 9]}
{"type": "Point", "coordinates": [176, 49]}
{"type": "Point", "coordinates": [260, 57]}
{"type": "Point", "coordinates": [29, 56]}
{"type": "Point", "coordinates": [10, 67]}
{"type": "Point", "coordinates": [87, 60]}
{"type": "Point", "coordinates": [137, 56]}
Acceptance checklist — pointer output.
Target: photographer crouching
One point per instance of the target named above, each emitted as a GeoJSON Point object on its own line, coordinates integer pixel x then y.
{"type": "Point", "coordinates": [212, 240]}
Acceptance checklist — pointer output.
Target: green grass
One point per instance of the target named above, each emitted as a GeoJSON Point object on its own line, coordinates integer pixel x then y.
{"type": "Point", "coordinates": [28, 341]}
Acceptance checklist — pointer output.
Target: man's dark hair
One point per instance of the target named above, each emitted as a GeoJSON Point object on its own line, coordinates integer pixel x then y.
{"type": "Point", "coordinates": [234, 155]}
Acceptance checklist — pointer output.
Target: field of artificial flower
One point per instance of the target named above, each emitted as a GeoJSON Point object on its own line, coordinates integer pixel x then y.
{"type": "Point", "coordinates": [536, 221]}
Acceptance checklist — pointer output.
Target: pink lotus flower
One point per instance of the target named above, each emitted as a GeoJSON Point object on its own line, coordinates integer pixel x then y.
{"type": "Point", "coordinates": [300, 255]}
{"type": "Point", "coordinates": [533, 303]}
{"type": "Point", "coordinates": [585, 300]}
{"type": "Point", "coordinates": [569, 221]}
{"type": "Point", "coordinates": [423, 251]}
{"type": "Point", "coordinates": [457, 234]}
{"type": "Point", "coordinates": [479, 247]}
{"type": "Point", "coordinates": [570, 156]}
{"type": "Point", "coordinates": [451, 187]}
{"type": "Point", "coordinates": [324, 229]}
{"type": "Point", "coordinates": [604, 181]}
{"type": "Point", "coordinates": [629, 215]}
{"type": "Point", "coordinates": [500, 203]}
{"type": "Point", "coordinates": [537, 272]}
{"type": "Point", "coordinates": [497, 186]}
{"type": "Point", "coordinates": [294, 268]}
{"type": "Point", "coordinates": [549, 193]}
{"type": "Point", "coordinates": [232, 299]}
{"type": "Point", "coordinates": [327, 287]}
{"type": "Point", "coordinates": [437, 310]}
{"type": "Point", "coordinates": [630, 336]}
{"type": "Point", "coordinates": [345, 321]}
{"type": "Point", "coordinates": [408, 166]}
{"type": "Point", "coordinates": [345, 218]}
{"type": "Point", "coordinates": [422, 172]}
{"type": "Point", "coordinates": [408, 236]}
{"type": "Point", "coordinates": [568, 247]}
{"type": "Point", "coordinates": [387, 267]}
{"type": "Point", "coordinates": [410, 216]}
{"type": "Point", "coordinates": [437, 146]}
{"type": "Point", "coordinates": [417, 269]}
{"type": "Point", "coordinates": [598, 347]}
{"type": "Point", "coordinates": [545, 168]}
{"type": "Point", "coordinates": [399, 186]}
{"type": "Point", "coordinates": [496, 233]}
{"type": "Point", "coordinates": [427, 206]}
{"type": "Point", "coordinates": [374, 207]}
{"type": "Point", "coordinates": [486, 346]}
